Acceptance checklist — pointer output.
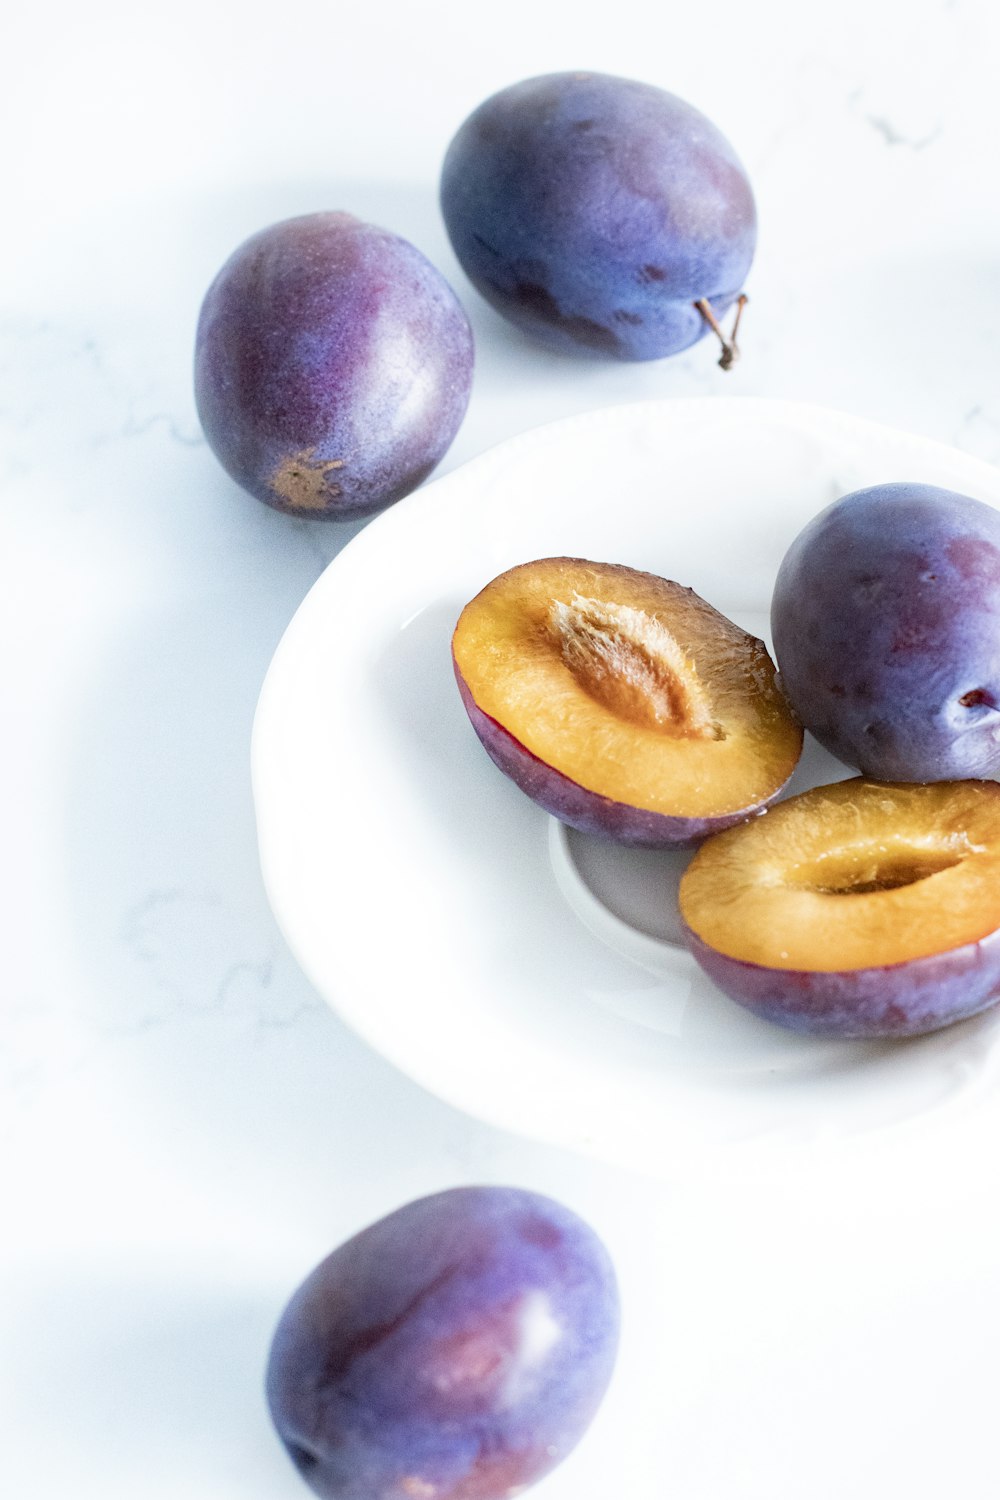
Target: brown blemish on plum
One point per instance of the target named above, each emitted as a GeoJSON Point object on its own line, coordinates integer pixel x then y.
{"type": "Point", "coordinates": [652, 273]}
{"type": "Point", "coordinates": [304, 483]}
{"type": "Point", "coordinates": [622, 315]}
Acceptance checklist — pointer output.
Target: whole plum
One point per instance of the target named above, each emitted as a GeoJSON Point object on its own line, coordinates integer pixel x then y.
{"type": "Point", "coordinates": [598, 213]}
{"type": "Point", "coordinates": [886, 627]}
{"type": "Point", "coordinates": [457, 1349]}
{"type": "Point", "coordinates": [333, 366]}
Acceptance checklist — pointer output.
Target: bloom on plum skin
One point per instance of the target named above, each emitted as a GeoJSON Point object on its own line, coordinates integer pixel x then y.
{"type": "Point", "coordinates": [886, 627]}
{"type": "Point", "coordinates": [596, 212]}
{"type": "Point", "coordinates": [333, 366]}
{"type": "Point", "coordinates": [457, 1349]}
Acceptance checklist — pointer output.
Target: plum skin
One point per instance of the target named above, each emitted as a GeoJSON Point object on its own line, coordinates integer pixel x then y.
{"type": "Point", "coordinates": [893, 1000]}
{"type": "Point", "coordinates": [588, 811]}
{"type": "Point", "coordinates": [886, 627]}
{"type": "Point", "coordinates": [457, 1348]}
{"type": "Point", "coordinates": [594, 211]}
{"type": "Point", "coordinates": [333, 366]}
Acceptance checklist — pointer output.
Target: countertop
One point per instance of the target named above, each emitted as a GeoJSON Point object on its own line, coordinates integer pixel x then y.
{"type": "Point", "coordinates": [187, 1127]}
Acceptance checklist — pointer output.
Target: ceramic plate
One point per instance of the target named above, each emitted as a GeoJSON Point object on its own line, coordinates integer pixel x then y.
{"type": "Point", "coordinates": [525, 974]}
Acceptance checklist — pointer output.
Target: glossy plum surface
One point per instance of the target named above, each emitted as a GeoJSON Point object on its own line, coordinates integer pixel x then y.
{"type": "Point", "coordinates": [886, 627]}
{"type": "Point", "coordinates": [333, 366]}
{"type": "Point", "coordinates": [594, 212]}
{"type": "Point", "coordinates": [457, 1349]}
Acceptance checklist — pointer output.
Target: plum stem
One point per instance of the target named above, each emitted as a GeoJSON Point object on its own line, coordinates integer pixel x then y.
{"type": "Point", "coordinates": [730, 348]}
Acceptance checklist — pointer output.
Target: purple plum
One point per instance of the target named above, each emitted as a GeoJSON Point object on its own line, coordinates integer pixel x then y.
{"type": "Point", "coordinates": [457, 1349]}
{"type": "Point", "coordinates": [886, 627]}
{"type": "Point", "coordinates": [333, 366]}
{"type": "Point", "coordinates": [597, 213]}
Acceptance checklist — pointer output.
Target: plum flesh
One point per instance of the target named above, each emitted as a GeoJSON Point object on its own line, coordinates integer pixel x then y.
{"type": "Point", "coordinates": [886, 627]}
{"type": "Point", "coordinates": [863, 909]}
{"type": "Point", "coordinates": [457, 1349]}
{"type": "Point", "coordinates": [621, 702]}
{"type": "Point", "coordinates": [588, 811]}
{"type": "Point", "coordinates": [595, 212]}
{"type": "Point", "coordinates": [333, 366]}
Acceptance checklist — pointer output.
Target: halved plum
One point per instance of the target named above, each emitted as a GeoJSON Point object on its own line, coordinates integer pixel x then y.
{"type": "Point", "coordinates": [863, 909]}
{"type": "Point", "coordinates": [622, 703]}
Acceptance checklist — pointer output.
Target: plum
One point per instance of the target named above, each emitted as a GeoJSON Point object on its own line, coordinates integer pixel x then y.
{"type": "Point", "coordinates": [600, 214]}
{"type": "Point", "coordinates": [621, 702]}
{"type": "Point", "coordinates": [886, 627]}
{"type": "Point", "coordinates": [862, 909]}
{"type": "Point", "coordinates": [333, 366]}
{"type": "Point", "coordinates": [457, 1349]}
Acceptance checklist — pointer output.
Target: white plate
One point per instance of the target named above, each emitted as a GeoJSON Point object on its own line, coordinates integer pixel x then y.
{"type": "Point", "coordinates": [527, 976]}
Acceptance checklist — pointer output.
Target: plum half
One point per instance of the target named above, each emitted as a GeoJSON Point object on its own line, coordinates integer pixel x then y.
{"type": "Point", "coordinates": [622, 703]}
{"type": "Point", "coordinates": [863, 909]}
{"type": "Point", "coordinates": [886, 627]}
{"type": "Point", "coordinates": [333, 366]}
{"type": "Point", "coordinates": [600, 214]}
{"type": "Point", "coordinates": [455, 1350]}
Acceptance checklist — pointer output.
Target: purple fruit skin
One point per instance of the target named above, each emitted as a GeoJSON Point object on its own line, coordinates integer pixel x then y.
{"type": "Point", "coordinates": [594, 211]}
{"type": "Point", "coordinates": [366, 1381]}
{"type": "Point", "coordinates": [588, 811]}
{"type": "Point", "coordinates": [895, 1000]}
{"type": "Point", "coordinates": [885, 615]}
{"type": "Point", "coordinates": [333, 366]}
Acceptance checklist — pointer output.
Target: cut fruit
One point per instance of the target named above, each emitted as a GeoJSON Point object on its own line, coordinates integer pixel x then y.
{"type": "Point", "coordinates": [859, 909]}
{"type": "Point", "coordinates": [622, 702]}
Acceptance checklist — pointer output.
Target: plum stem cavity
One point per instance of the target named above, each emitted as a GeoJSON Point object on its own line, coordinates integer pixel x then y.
{"type": "Point", "coordinates": [629, 661]}
{"type": "Point", "coordinates": [730, 348]}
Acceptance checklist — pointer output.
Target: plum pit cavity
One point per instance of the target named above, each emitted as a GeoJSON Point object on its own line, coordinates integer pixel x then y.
{"type": "Point", "coordinates": [863, 870]}
{"type": "Point", "coordinates": [630, 663]}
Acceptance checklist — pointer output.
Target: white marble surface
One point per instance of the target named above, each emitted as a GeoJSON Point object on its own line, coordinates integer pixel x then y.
{"type": "Point", "coordinates": [185, 1127]}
